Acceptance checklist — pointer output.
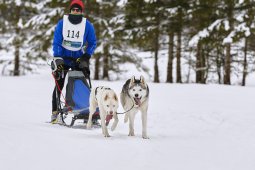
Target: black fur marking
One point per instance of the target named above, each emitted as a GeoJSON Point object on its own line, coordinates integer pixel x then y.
{"type": "Point", "coordinates": [126, 87]}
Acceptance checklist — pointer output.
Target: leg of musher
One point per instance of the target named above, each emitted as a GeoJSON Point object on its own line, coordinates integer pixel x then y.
{"type": "Point", "coordinates": [56, 99]}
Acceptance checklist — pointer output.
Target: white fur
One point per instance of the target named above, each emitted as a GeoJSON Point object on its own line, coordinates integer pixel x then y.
{"type": "Point", "coordinates": [107, 102]}
{"type": "Point", "coordinates": [128, 101]}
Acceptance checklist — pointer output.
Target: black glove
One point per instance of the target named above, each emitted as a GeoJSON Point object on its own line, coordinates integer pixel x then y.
{"type": "Point", "coordinates": [57, 64]}
{"type": "Point", "coordinates": [87, 71]}
{"type": "Point", "coordinates": [83, 61]}
{"type": "Point", "coordinates": [60, 67]}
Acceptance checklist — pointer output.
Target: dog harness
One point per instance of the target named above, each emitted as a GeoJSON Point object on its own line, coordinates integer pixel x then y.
{"type": "Point", "coordinates": [108, 117]}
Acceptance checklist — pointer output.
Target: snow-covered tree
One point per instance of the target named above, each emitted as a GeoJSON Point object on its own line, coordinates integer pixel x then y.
{"type": "Point", "coordinates": [112, 48]}
{"type": "Point", "coordinates": [142, 23]}
{"type": "Point", "coordinates": [42, 26]}
{"type": "Point", "coordinates": [16, 13]}
{"type": "Point", "coordinates": [230, 24]}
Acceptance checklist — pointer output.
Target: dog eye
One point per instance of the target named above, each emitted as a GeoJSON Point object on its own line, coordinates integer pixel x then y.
{"type": "Point", "coordinates": [107, 105]}
{"type": "Point", "coordinates": [140, 90]}
{"type": "Point", "coordinates": [133, 89]}
{"type": "Point", "coordinates": [113, 105]}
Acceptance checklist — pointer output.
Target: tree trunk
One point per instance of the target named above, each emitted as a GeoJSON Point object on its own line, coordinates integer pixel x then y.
{"type": "Point", "coordinates": [97, 64]}
{"type": "Point", "coordinates": [16, 71]}
{"type": "Point", "coordinates": [106, 63]}
{"type": "Point", "coordinates": [245, 62]}
{"type": "Point", "coordinates": [169, 78]}
{"type": "Point", "coordinates": [178, 59]}
{"type": "Point", "coordinates": [198, 64]}
{"type": "Point", "coordinates": [179, 44]}
{"type": "Point", "coordinates": [227, 67]}
{"type": "Point", "coordinates": [203, 69]}
{"type": "Point", "coordinates": [218, 64]}
{"type": "Point", "coordinates": [156, 72]}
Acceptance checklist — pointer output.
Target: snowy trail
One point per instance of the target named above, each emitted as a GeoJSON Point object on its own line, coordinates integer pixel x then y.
{"type": "Point", "coordinates": [191, 127]}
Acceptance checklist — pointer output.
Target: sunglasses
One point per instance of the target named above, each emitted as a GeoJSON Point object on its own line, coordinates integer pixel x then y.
{"type": "Point", "coordinates": [76, 10]}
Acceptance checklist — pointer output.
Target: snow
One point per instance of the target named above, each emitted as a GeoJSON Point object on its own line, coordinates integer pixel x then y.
{"type": "Point", "coordinates": [204, 33]}
{"type": "Point", "coordinates": [150, 1]}
{"type": "Point", "coordinates": [20, 25]}
{"type": "Point", "coordinates": [172, 11]}
{"type": "Point", "coordinates": [239, 28]}
{"type": "Point", "coordinates": [194, 127]}
{"type": "Point", "coordinates": [121, 3]}
{"type": "Point", "coordinates": [228, 39]}
{"type": "Point", "coordinates": [241, 1]}
{"type": "Point", "coordinates": [18, 2]}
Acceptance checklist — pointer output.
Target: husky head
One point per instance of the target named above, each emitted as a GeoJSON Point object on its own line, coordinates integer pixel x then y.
{"type": "Point", "coordinates": [138, 90]}
{"type": "Point", "coordinates": [110, 103]}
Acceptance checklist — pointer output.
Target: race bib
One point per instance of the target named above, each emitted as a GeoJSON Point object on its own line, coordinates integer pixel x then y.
{"type": "Point", "coordinates": [73, 34]}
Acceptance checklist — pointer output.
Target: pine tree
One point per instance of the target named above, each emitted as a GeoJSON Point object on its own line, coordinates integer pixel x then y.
{"type": "Point", "coordinates": [16, 14]}
{"type": "Point", "coordinates": [143, 21]}
{"type": "Point", "coordinates": [92, 13]}
{"type": "Point", "coordinates": [203, 14]}
{"type": "Point", "coordinates": [43, 25]}
{"type": "Point", "coordinates": [246, 25]}
{"type": "Point", "coordinates": [111, 52]}
{"type": "Point", "coordinates": [180, 20]}
{"type": "Point", "coordinates": [228, 24]}
{"type": "Point", "coordinates": [169, 29]}
{"type": "Point", "coordinates": [240, 16]}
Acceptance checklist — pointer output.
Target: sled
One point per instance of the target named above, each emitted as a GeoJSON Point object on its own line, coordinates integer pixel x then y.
{"type": "Point", "coordinates": [76, 102]}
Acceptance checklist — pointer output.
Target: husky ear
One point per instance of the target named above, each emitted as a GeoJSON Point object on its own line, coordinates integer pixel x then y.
{"type": "Point", "coordinates": [142, 80]}
{"type": "Point", "coordinates": [133, 79]}
{"type": "Point", "coordinates": [106, 97]}
{"type": "Point", "coordinates": [115, 97]}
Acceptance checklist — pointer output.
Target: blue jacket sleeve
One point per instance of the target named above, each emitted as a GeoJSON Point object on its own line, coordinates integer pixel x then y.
{"type": "Point", "coordinates": [57, 41]}
{"type": "Point", "coordinates": [90, 39]}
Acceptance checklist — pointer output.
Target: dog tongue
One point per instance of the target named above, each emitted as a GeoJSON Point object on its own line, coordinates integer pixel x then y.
{"type": "Point", "coordinates": [137, 101]}
{"type": "Point", "coordinates": [108, 118]}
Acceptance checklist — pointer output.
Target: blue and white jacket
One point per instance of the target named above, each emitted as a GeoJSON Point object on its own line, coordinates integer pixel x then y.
{"type": "Point", "coordinates": [89, 40]}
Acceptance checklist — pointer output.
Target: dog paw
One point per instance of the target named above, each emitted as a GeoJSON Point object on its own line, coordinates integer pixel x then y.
{"type": "Point", "coordinates": [107, 136]}
{"type": "Point", "coordinates": [146, 137]}
{"type": "Point", "coordinates": [131, 134]}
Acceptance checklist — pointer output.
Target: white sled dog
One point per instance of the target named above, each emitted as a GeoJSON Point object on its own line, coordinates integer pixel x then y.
{"type": "Point", "coordinates": [134, 97]}
{"type": "Point", "coordinates": [107, 102]}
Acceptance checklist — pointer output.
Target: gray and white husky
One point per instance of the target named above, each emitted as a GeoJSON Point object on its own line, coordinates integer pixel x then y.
{"type": "Point", "coordinates": [134, 97]}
